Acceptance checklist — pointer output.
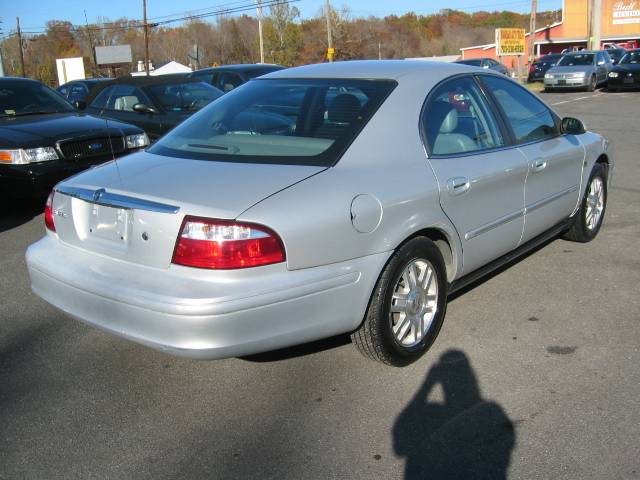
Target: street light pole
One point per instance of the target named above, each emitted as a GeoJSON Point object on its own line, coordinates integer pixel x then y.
{"type": "Point", "coordinates": [327, 13]}
{"type": "Point", "coordinates": [259, 11]}
{"type": "Point", "coordinates": [532, 30]}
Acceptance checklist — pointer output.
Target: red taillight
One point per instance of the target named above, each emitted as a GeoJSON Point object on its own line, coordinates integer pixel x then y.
{"type": "Point", "coordinates": [532, 68]}
{"type": "Point", "coordinates": [222, 244]}
{"type": "Point", "coordinates": [48, 213]}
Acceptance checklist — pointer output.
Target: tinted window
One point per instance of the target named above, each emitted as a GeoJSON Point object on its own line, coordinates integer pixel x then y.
{"type": "Point", "coordinates": [631, 57]}
{"type": "Point", "coordinates": [260, 71]}
{"type": "Point", "coordinates": [63, 91]}
{"type": "Point", "coordinates": [457, 119]}
{"type": "Point", "coordinates": [24, 98]}
{"type": "Point", "coordinates": [474, 62]}
{"type": "Point", "coordinates": [120, 97]}
{"type": "Point", "coordinates": [300, 122]}
{"type": "Point", "coordinates": [576, 59]}
{"type": "Point", "coordinates": [181, 97]}
{"type": "Point", "coordinates": [228, 81]}
{"type": "Point", "coordinates": [77, 92]}
{"type": "Point", "coordinates": [528, 117]}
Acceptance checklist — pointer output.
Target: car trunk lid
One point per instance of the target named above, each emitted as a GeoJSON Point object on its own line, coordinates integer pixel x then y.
{"type": "Point", "coordinates": [133, 209]}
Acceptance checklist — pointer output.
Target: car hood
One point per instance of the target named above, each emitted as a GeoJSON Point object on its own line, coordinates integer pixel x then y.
{"type": "Point", "coordinates": [198, 187]}
{"type": "Point", "coordinates": [571, 69]}
{"type": "Point", "coordinates": [46, 129]}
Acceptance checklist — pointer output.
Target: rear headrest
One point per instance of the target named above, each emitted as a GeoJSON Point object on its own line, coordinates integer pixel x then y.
{"type": "Point", "coordinates": [444, 116]}
{"type": "Point", "coordinates": [343, 109]}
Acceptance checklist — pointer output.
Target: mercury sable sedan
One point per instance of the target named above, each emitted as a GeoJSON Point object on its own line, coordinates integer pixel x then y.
{"type": "Point", "coordinates": [332, 198]}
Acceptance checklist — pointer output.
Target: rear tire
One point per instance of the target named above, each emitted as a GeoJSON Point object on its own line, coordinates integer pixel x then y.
{"type": "Point", "coordinates": [588, 219]}
{"type": "Point", "coordinates": [407, 307]}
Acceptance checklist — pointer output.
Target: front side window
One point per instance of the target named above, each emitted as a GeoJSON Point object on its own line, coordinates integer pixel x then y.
{"type": "Point", "coordinates": [576, 59]}
{"type": "Point", "coordinates": [528, 117]}
{"type": "Point", "coordinates": [120, 97]}
{"type": "Point", "coordinates": [282, 121]}
{"type": "Point", "coordinates": [457, 119]}
{"type": "Point", "coordinates": [184, 97]}
{"type": "Point", "coordinates": [631, 58]}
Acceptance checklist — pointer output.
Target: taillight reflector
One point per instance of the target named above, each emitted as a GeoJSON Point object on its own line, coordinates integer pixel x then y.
{"type": "Point", "coordinates": [48, 213]}
{"type": "Point", "coordinates": [222, 244]}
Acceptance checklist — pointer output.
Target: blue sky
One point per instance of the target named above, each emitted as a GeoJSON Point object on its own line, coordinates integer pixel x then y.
{"type": "Point", "coordinates": [35, 13]}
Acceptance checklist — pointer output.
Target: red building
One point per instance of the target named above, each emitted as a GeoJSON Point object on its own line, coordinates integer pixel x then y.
{"type": "Point", "coordinates": [619, 24]}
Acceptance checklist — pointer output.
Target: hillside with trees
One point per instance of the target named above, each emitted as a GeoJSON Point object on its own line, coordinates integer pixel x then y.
{"type": "Point", "coordinates": [289, 39]}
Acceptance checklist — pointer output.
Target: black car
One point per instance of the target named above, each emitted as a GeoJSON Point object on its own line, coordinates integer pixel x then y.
{"type": "Point", "coordinates": [43, 139]}
{"type": "Point", "coordinates": [228, 77]}
{"type": "Point", "coordinates": [540, 66]}
{"type": "Point", "coordinates": [489, 63]}
{"type": "Point", "coordinates": [77, 90]}
{"type": "Point", "coordinates": [616, 54]}
{"type": "Point", "coordinates": [155, 104]}
{"type": "Point", "coordinates": [626, 74]}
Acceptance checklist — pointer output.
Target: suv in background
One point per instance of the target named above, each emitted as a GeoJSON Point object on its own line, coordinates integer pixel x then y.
{"type": "Point", "coordinates": [228, 77]}
{"type": "Point", "coordinates": [77, 90]}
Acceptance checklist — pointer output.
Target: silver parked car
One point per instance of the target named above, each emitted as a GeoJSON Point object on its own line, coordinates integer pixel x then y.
{"type": "Point", "coordinates": [332, 198]}
{"type": "Point", "coordinates": [583, 69]}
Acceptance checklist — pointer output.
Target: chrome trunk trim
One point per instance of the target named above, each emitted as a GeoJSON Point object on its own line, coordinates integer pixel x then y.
{"type": "Point", "coordinates": [102, 197]}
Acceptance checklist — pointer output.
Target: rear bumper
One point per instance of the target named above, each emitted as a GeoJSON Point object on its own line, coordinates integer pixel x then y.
{"type": "Point", "coordinates": [204, 314]}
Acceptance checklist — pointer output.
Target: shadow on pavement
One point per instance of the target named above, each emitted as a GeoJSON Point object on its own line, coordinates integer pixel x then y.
{"type": "Point", "coordinates": [299, 350]}
{"type": "Point", "coordinates": [463, 436]}
{"type": "Point", "coordinates": [16, 213]}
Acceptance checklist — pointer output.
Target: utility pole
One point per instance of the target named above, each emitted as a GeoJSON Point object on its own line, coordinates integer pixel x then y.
{"type": "Point", "coordinates": [327, 14]}
{"type": "Point", "coordinates": [532, 30]}
{"type": "Point", "coordinates": [146, 37]}
{"type": "Point", "coordinates": [1, 59]}
{"type": "Point", "coordinates": [93, 50]}
{"type": "Point", "coordinates": [259, 11]}
{"type": "Point", "coordinates": [19, 33]}
{"type": "Point", "coordinates": [589, 24]}
{"type": "Point", "coordinates": [595, 24]}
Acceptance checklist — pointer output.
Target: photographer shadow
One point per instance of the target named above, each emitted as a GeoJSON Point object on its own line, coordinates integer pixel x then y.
{"type": "Point", "coordinates": [463, 436]}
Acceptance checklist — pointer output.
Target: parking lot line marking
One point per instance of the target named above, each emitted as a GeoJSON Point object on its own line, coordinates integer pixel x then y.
{"type": "Point", "coordinates": [579, 98]}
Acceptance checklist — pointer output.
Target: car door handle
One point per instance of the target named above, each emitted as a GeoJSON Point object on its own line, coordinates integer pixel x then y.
{"type": "Point", "coordinates": [538, 165]}
{"type": "Point", "coordinates": [458, 185]}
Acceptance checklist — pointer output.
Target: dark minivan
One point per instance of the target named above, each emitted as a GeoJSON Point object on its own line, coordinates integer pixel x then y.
{"type": "Point", "coordinates": [228, 77]}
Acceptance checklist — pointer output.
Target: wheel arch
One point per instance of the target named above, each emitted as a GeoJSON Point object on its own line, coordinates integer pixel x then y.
{"type": "Point", "coordinates": [443, 240]}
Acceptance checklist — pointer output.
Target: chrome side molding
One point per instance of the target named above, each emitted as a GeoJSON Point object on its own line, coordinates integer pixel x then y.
{"type": "Point", "coordinates": [108, 199]}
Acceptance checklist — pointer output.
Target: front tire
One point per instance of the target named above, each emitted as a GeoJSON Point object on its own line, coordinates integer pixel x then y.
{"type": "Point", "coordinates": [593, 83]}
{"type": "Point", "coordinates": [407, 306]}
{"type": "Point", "coordinates": [589, 217]}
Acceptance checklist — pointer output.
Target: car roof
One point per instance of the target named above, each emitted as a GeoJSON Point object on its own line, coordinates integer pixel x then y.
{"type": "Point", "coordinates": [19, 79]}
{"type": "Point", "coordinates": [242, 67]}
{"type": "Point", "coordinates": [374, 69]}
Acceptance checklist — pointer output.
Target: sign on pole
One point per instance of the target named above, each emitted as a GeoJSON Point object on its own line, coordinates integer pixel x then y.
{"type": "Point", "coordinates": [510, 41]}
{"type": "Point", "coordinates": [114, 55]}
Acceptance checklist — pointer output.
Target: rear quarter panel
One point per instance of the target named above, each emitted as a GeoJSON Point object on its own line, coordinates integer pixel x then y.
{"type": "Point", "coordinates": [386, 161]}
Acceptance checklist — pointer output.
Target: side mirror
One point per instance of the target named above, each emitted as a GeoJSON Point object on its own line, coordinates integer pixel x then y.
{"type": "Point", "coordinates": [572, 126]}
{"type": "Point", "coordinates": [601, 62]}
{"type": "Point", "coordinates": [485, 66]}
{"type": "Point", "coordinates": [142, 108]}
{"type": "Point", "coordinates": [80, 105]}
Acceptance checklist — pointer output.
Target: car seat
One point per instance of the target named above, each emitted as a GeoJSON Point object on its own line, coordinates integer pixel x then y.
{"type": "Point", "coordinates": [342, 111]}
{"type": "Point", "coordinates": [442, 121]}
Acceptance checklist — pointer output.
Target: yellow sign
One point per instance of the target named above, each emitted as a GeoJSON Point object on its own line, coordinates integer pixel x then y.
{"type": "Point", "coordinates": [331, 52]}
{"type": "Point", "coordinates": [510, 41]}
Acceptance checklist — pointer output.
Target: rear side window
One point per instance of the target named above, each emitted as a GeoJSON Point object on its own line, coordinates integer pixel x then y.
{"type": "Point", "coordinates": [528, 117]}
{"type": "Point", "coordinates": [228, 81]}
{"type": "Point", "coordinates": [296, 122]}
{"type": "Point", "coordinates": [457, 119]}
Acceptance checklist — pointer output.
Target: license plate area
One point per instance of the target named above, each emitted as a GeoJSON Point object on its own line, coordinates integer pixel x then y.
{"type": "Point", "coordinates": [109, 224]}
{"type": "Point", "coordinates": [628, 80]}
{"type": "Point", "coordinates": [562, 82]}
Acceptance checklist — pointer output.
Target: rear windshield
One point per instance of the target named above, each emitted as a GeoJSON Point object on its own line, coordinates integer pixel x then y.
{"type": "Point", "coordinates": [282, 121]}
{"type": "Point", "coordinates": [476, 63]}
{"type": "Point", "coordinates": [576, 59]}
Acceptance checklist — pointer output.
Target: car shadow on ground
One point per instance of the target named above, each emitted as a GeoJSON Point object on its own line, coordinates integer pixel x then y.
{"type": "Point", "coordinates": [460, 435]}
{"type": "Point", "coordinates": [299, 350]}
{"type": "Point", "coordinates": [14, 213]}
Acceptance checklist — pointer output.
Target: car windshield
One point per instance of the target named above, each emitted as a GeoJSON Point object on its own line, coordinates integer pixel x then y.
{"type": "Point", "coordinates": [576, 59]}
{"type": "Point", "coordinates": [550, 58]}
{"type": "Point", "coordinates": [281, 121]}
{"type": "Point", "coordinates": [184, 97]}
{"type": "Point", "coordinates": [257, 72]}
{"type": "Point", "coordinates": [29, 98]}
{"type": "Point", "coordinates": [630, 57]}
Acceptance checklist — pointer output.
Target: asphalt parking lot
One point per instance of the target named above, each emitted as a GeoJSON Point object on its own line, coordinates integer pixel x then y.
{"type": "Point", "coordinates": [534, 376]}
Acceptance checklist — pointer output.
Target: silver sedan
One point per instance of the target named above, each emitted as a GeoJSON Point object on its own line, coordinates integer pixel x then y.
{"type": "Point", "coordinates": [345, 197]}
